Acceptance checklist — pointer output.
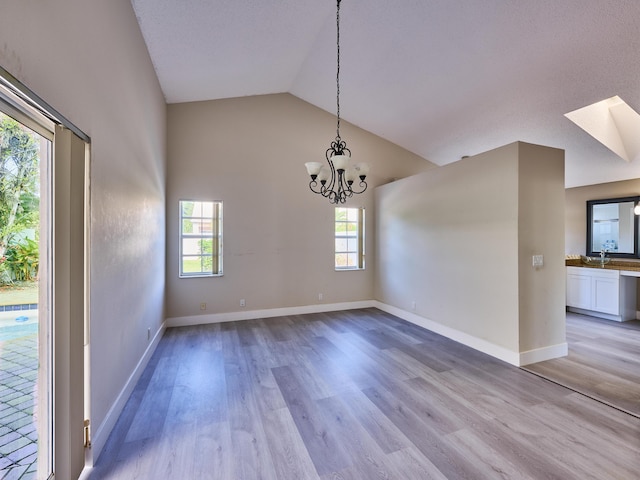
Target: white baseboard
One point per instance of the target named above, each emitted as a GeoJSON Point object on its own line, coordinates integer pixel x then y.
{"type": "Point", "coordinates": [267, 313]}
{"type": "Point", "coordinates": [86, 473]}
{"type": "Point", "coordinates": [101, 434]}
{"type": "Point", "coordinates": [483, 346]}
{"type": "Point", "coordinates": [545, 353]}
{"type": "Point", "coordinates": [591, 313]}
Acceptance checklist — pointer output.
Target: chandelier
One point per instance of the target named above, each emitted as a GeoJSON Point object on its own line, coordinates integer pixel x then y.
{"type": "Point", "coordinates": [336, 180]}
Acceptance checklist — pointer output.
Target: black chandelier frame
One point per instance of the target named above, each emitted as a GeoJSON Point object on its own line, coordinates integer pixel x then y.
{"type": "Point", "coordinates": [339, 186]}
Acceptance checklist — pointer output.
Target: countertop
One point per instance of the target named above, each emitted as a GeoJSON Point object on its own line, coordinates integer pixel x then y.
{"type": "Point", "coordinates": [623, 265]}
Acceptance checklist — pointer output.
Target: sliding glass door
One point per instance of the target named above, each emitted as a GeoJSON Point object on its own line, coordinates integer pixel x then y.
{"type": "Point", "coordinates": [44, 321]}
{"type": "Point", "coordinates": [26, 374]}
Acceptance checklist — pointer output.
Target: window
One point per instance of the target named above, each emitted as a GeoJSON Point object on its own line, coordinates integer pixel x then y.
{"type": "Point", "coordinates": [200, 238]}
{"type": "Point", "coordinates": [349, 238]}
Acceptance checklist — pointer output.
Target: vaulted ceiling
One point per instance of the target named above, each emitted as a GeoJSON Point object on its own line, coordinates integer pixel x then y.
{"type": "Point", "coordinates": [441, 78]}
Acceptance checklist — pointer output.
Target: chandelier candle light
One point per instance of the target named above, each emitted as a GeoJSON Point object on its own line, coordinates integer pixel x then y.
{"type": "Point", "coordinates": [336, 181]}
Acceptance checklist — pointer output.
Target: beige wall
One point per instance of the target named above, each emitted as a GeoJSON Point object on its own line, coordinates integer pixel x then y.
{"type": "Point", "coordinates": [278, 236]}
{"type": "Point", "coordinates": [88, 60]}
{"type": "Point", "coordinates": [458, 241]}
{"type": "Point", "coordinates": [541, 231]}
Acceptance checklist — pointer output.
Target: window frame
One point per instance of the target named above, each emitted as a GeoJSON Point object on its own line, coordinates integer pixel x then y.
{"type": "Point", "coordinates": [216, 255]}
{"type": "Point", "coordinates": [360, 235]}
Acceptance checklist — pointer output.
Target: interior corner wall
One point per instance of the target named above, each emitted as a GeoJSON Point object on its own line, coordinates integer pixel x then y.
{"type": "Point", "coordinates": [541, 197]}
{"type": "Point", "coordinates": [278, 238]}
{"type": "Point", "coordinates": [450, 248]}
{"type": "Point", "coordinates": [88, 60]}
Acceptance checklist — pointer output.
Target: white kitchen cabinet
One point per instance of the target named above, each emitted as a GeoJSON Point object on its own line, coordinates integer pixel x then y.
{"type": "Point", "coordinates": [578, 290]}
{"type": "Point", "coordinates": [601, 293]}
{"type": "Point", "coordinates": [606, 294]}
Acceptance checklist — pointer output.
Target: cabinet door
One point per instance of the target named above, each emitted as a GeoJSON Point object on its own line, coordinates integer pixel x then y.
{"type": "Point", "coordinates": [606, 295]}
{"type": "Point", "coordinates": [579, 291]}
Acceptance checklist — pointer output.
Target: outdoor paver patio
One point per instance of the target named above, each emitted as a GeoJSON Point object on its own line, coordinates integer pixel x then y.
{"type": "Point", "coordinates": [18, 396]}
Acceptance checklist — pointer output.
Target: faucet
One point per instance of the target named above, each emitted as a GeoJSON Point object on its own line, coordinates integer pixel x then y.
{"type": "Point", "coordinates": [603, 255]}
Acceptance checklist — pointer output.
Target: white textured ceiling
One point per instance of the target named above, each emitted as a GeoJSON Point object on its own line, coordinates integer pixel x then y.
{"type": "Point", "coordinates": [441, 78]}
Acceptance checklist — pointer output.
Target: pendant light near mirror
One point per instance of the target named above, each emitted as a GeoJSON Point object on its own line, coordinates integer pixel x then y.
{"type": "Point", "coordinates": [335, 181]}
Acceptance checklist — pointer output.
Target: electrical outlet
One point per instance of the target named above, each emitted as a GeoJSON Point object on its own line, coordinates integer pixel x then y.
{"type": "Point", "coordinates": [320, 297]}
{"type": "Point", "coordinates": [243, 303]}
{"type": "Point", "coordinates": [538, 260]}
{"type": "Point", "coordinates": [413, 305]}
{"type": "Point", "coordinates": [203, 306]}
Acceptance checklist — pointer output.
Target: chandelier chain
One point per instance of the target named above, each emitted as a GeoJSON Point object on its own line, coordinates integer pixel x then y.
{"type": "Point", "coordinates": [339, 181]}
{"type": "Point", "coordinates": [338, 70]}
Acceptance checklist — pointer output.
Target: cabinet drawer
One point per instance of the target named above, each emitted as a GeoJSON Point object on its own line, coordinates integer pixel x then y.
{"type": "Point", "coordinates": [593, 272]}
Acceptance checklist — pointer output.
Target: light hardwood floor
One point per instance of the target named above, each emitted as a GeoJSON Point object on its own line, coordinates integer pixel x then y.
{"type": "Point", "coordinates": [603, 361]}
{"type": "Point", "coordinates": [355, 395]}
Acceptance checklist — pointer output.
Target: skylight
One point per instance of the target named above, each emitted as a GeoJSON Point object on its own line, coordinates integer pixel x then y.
{"type": "Point", "coordinates": [613, 123]}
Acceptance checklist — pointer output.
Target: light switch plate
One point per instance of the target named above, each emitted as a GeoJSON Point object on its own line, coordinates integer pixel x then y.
{"type": "Point", "coordinates": [538, 260]}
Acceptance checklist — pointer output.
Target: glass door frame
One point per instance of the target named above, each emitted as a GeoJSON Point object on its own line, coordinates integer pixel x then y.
{"type": "Point", "coordinates": [44, 128]}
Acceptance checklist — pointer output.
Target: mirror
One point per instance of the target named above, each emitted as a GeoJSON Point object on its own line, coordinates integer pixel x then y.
{"type": "Point", "coordinates": [612, 226]}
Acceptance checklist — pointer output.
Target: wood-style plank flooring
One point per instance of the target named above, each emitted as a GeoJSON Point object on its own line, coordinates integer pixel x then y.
{"type": "Point", "coordinates": [603, 361]}
{"type": "Point", "coordinates": [355, 395]}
